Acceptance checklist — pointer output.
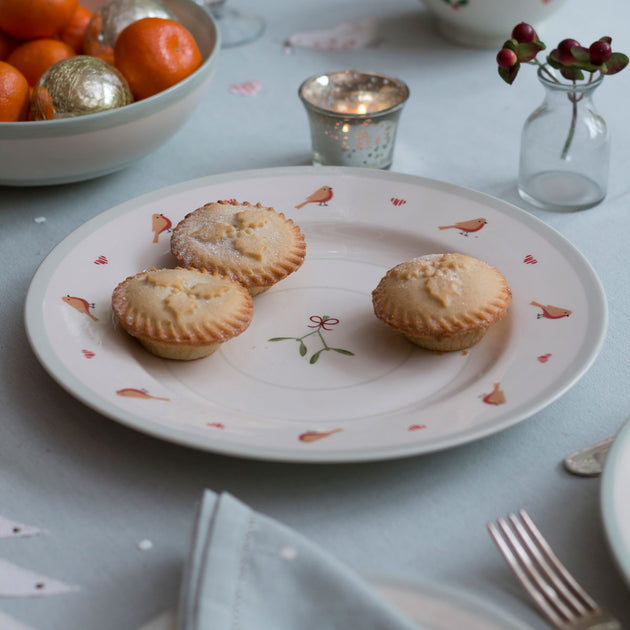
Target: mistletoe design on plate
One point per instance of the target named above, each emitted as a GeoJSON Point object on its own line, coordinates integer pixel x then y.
{"type": "Point", "coordinates": [320, 323]}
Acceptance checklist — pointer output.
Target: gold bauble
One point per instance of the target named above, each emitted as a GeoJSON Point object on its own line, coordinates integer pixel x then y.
{"type": "Point", "coordinates": [78, 86]}
{"type": "Point", "coordinates": [112, 18]}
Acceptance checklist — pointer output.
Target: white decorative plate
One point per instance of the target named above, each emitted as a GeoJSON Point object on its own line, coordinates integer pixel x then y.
{"type": "Point", "coordinates": [615, 499]}
{"type": "Point", "coordinates": [432, 606]}
{"type": "Point", "coordinates": [340, 386]}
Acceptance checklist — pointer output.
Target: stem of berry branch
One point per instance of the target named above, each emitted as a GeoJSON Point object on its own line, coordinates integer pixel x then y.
{"type": "Point", "coordinates": [567, 143]}
{"type": "Point", "coordinates": [574, 98]}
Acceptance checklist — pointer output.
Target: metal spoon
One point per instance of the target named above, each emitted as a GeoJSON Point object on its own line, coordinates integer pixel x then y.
{"type": "Point", "coordinates": [589, 461]}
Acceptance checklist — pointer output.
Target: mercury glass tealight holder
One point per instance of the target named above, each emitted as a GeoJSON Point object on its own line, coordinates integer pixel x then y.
{"type": "Point", "coordinates": [353, 117]}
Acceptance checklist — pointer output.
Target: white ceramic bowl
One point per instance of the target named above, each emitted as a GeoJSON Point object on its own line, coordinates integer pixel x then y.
{"type": "Point", "coordinates": [487, 23]}
{"type": "Point", "coordinates": [75, 149]}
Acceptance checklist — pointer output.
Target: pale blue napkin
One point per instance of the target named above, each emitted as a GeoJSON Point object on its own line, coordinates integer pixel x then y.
{"type": "Point", "coordinates": [248, 572]}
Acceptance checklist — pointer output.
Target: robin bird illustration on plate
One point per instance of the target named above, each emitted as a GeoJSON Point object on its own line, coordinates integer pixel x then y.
{"type": "Point", "coordinates": [131, 392]}
{"type": "Point", "coordinates": [466, 227]}
{"type": "Point", "coordinates": [159, 224]}
{"type": "Point", "coordinates": [551, 312]}
{"type": "Point", "coordinates": [496, 396]}
{"type": "Point", "coordinates": [81, 305]}
{"type": "Point", "coordinates": [313, 436]}
{"type": "Point", "coordinates": [321, 196]}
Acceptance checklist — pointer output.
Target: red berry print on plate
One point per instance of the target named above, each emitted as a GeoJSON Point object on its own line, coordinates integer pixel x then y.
{"type": "Point", "coordinates": [313, 436]}
{"type": "Point", "coordinates": [466, 228]}
{"type": "Point", "coordinates": [101, 260]}
{"type": "Point", "coordinates": [215, 425]}
{"type": "Point", "coordinates": [543, 358]}
{"type": "Point", "coordinates": [551, 312]}
{"type": "Point", "coordinates": [79, 304]}
{"type": "Point", "coordinates": [529, 260]}
{"type": "Point", "coordinates": [417, 427]}
{"type": "Point", "coordinates": [88, 354]}
{"type": "Point", "coordinates": [398, 202]}
{"type": "Point", "coordinates": [495, 397]}
{"type": "Point", "coordinates": [159, 224]}
{"type": "Point", "coordinates": [321, 197]}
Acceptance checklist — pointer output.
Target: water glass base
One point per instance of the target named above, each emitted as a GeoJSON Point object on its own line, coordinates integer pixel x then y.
{"type": "Point", "coordinates": [238, 28]}
{"type": "Point", "coordinates": [561, 191]}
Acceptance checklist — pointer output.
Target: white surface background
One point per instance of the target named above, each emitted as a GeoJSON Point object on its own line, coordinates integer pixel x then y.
{"type": "Point", "coordinates": [98, 488]}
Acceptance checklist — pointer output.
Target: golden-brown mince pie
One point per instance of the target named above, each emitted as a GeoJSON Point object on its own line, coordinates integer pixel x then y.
{"type": "Point", "coordinates": [251, 244]}
{"type": "Point", "coordinates": [442, 301]}
{"type": "Point", "coordinates": [182, 313]}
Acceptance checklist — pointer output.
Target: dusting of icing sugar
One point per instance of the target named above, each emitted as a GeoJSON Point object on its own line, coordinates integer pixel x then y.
{"type": "Point", "coordinates": [443, 285]}
{"type": "Point", "coordinates": [182, 295]}
{"type": "Point", "coordinates": [208, 290]}
{"type": "Point", "coordinates": [165, 278]}
{"type": "Point", "coordinates": [250, 233]}
{"type": "Point", "coordinates": [246, 233]}
{"type": "Point", "coordinates": [215, 231]}
{"type": "Point", "coordinates": [252, 218]}
{"type": "Point", "coordinates": [181, 304]}
{"type": "Point", "coordinates": [250, 244]}
{"type": "Point", "coordinates": [441, 272]}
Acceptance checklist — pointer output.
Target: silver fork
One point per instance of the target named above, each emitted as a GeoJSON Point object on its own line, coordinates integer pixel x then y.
{"type": "Point", "coordinates": [554, 590]}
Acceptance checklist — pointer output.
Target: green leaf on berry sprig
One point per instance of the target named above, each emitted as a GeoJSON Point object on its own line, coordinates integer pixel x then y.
{"type": "Point", "coordinates": [509, 74]}
{"type": "Point", "coordinates": [524, 52]}
{"type": "Point", "coordinates": [527, 51]}
{"type": "Point", "coordinates": [616, 63]}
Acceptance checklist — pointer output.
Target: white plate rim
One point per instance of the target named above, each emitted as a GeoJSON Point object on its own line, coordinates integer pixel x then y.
{"type": "Point", "coordinates": [41, 346]}
{"type": "Point", "coordinates": [449, 597]}
{"type": "Point", "coordinates": [615, 475]}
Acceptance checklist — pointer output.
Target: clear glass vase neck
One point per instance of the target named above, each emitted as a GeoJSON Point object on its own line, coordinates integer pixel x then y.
{"type": "Point", "coordinates": [554, 82]}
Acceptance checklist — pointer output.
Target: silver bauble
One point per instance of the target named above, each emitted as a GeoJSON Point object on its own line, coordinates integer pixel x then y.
{"type": "Point", "coordinates": [78, 86]}
{"type": "Point", "coordinates": [113, 17]}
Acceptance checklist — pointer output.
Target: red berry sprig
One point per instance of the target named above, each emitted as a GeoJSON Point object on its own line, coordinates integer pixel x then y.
{"type": "Point", "coordinates": [570, 58]}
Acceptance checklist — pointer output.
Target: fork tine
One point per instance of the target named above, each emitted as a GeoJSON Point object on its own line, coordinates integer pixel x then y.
{"type": "Point", "coordinates": [533, 590]}
{"type": "Point", "coordinates": [553, 588]}
{"type": "Point", "coordinates": [587, 602]}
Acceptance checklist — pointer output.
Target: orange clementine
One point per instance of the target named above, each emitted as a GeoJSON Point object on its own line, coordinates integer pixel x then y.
{"type": "Point", "coordinates": [14, 94]}
{"type": "Point", "coordinates": [74, 31]}
{"type": "Point", "coordinates": [7, 44]}
{"type": "Point", "coordinates": [34, 57]}
{"type": "Point", "coordinates": [155, 53]}
{"type": "Point", "coordinates": [42, 106]}
{"type": "Point", "coordinates": [28, 19]}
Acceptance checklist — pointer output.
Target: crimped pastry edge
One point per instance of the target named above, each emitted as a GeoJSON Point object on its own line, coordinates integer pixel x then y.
{"type": "Point", "coordinates": [442, 334]}
{"type": "Point", "coordinates": [256, 281]}
{"type": "Point", "coordinates": [237, 323]}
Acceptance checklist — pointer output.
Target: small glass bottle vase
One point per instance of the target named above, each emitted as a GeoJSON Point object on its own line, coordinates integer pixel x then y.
{"type": "Point", "coordinates": [565, 147]}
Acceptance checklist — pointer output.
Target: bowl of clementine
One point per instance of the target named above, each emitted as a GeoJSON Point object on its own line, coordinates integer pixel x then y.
{"type": "Point", "coordinates": [168, 63]}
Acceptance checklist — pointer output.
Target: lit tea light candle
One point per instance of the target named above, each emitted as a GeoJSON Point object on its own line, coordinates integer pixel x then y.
{"type": "Point", "coordinates": [353, 117]}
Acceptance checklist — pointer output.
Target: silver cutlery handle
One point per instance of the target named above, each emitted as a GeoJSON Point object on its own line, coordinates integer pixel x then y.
{"type": "Point", "coordinates": [589, 461]}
